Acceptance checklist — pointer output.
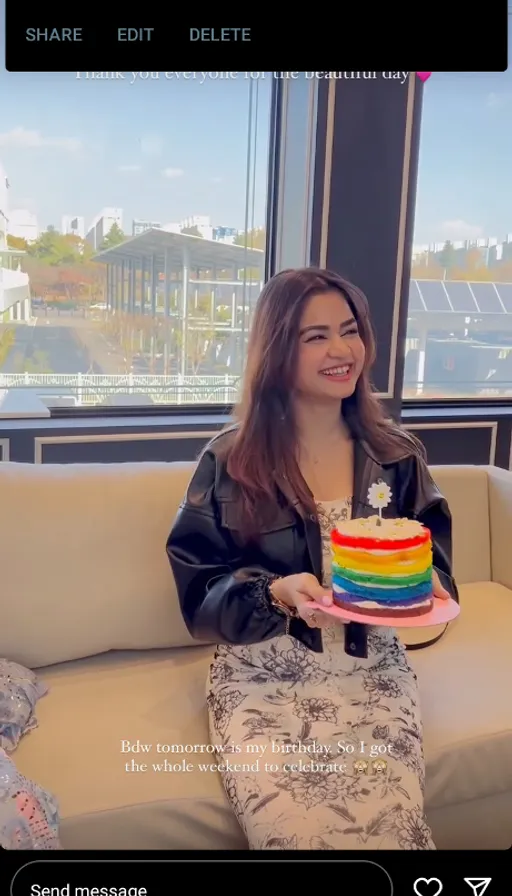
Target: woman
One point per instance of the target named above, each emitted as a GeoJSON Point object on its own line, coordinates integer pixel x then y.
{"type": "Point", "coordinates": [294, 698]}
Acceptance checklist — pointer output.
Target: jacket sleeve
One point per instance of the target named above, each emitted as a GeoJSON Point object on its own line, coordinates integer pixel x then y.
{"type": "Point", "coordinates": [421, 499]}
{"type": "Point", "coordinates": [220, 601]}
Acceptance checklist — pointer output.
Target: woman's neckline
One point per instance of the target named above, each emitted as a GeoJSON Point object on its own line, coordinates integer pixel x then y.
{"type": "Point", "coordinates": [346, 500]}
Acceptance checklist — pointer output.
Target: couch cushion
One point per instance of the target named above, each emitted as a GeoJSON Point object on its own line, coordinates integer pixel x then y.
{"type": "Point", "coordinates": [466, 707]}
{"type": "Point", "coordinates": [93, 705]}
{"type": "Point", "coordinates": [159, 697]}
{"type": "Point", "coordinates": [500, 510]}
{"type": "Point", "coordinates": [82, 554]}
{"type": "Point", "coordinates": [466, 488]}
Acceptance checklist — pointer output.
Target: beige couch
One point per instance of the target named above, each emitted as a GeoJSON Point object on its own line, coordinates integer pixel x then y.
{"type": "Point", "coordinates": [85, 576]}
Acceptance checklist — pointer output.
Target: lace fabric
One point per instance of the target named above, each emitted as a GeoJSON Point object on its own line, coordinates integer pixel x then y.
{"type": "Point", "coordinates": [29, 816]}
{"type": "Point", "coordinates": [20, 690]}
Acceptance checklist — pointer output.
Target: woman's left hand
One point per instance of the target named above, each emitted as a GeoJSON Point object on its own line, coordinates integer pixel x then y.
{"type": "Point", "coordinates": [438, 589]}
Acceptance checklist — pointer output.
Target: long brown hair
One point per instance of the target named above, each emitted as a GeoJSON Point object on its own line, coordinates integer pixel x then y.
{"type": "Point", "coordinates": [262, 454]}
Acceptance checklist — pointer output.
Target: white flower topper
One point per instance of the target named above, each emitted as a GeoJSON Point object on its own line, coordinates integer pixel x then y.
{"type": "Point", "coordinates": [379, 496]}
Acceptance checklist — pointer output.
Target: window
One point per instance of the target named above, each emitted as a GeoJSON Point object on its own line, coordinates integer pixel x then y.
{"type": "Point", "coordinates": [459, 329]}
{"type": "Point", "coordinates": [132, 214]}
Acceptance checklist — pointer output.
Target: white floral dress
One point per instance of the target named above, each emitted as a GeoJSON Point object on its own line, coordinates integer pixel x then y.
{"type": "Point", "coordinates": [321, 750]}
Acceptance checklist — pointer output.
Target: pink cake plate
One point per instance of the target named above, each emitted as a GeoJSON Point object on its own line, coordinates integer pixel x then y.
{"type": "Point", "coordinates": [442, 611]}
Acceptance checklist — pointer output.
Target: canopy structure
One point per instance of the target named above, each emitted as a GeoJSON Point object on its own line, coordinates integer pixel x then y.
{"type": "Point", "coordinates": [160, 273]}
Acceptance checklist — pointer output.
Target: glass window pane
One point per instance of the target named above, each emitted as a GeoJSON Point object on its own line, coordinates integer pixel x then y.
{"type": "Point", "coordinates": [459, 329]}
{"type": "Point", "coordinates": [132, 234]}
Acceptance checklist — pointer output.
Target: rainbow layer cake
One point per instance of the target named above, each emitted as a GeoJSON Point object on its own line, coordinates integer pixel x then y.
{"type": "Point", "coordinates": [382, 567]}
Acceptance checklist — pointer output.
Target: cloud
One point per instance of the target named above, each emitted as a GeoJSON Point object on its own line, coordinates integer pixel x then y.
{"type": "Point", "coordinates": [460, 230]}
{"type": "Point", "coordinates": [216, 180]}
{"type": "Point", "coordinates": [129, 169]}
{"type": "Point", "coordinates": [172, 173]}
{"type": "Point", "coordinates": [21, 138]}
{"type": "Point", "coordinates": [151, 145]}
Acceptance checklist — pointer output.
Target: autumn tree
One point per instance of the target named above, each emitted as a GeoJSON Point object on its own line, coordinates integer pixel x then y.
{"type": "Point", "coordinates": [475, 266]}
{"type": "Point", "coordinates": [252, 239]}
{"type": "Point", "coordinates": [42, 277]}
{"type": "Point", "coordinates": [61, 266]}
{"type": "Point", "coordinates": [73, 282]}
{"type": "Point", "coordinates": [114, 237]}
{"type": "Point", "coordinates": [426, 267]}
{"type": "Point", "coordinates": [17, 242]}
{"type": "Point", "coordinates": [502, 273]}
{"type": "Point", "coordinates": [196, 343]}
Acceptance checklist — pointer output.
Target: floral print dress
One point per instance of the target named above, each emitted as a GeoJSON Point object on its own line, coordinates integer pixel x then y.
{"type": "Point", "coordinates": [321, 750]}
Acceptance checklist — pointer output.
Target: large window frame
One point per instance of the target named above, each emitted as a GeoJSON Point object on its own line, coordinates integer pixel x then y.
{"type": "Point", "coordinates": [316, 171]}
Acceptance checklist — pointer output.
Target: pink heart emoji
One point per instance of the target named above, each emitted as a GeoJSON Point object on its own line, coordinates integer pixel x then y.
{"type": "Point", "coordinates": [423, 76]}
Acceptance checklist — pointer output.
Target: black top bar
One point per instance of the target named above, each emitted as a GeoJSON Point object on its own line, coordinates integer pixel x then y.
{"type": "Point", "coordinates": [62, 39]}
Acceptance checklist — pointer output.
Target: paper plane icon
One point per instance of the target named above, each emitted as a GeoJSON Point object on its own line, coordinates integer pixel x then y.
{"type": "Point", "coordinates": [478, 884]}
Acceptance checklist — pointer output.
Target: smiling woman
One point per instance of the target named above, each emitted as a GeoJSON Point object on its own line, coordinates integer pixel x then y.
{"type": "Point", "coordinates": [250, 550]}
{"type": "Point", "coordinates": [330, 344]}
{"type": "Point", "coordinates": [307, 322]}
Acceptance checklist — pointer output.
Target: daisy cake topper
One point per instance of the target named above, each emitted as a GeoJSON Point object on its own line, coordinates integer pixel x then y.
{"type": "Point", "coordinates": [379, 496]}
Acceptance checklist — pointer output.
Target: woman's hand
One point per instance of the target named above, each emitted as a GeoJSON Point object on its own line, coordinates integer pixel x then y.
{"type": "Point", "coordinates": [301, 590]}
{"type": "Point", "coordinates": [437, 588]}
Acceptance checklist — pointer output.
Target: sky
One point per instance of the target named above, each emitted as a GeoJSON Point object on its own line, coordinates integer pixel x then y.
{"type": "Point", "coordinates": [465, 171]}
{"type": "Point", "coordinates": [161, 150]}
{"type": "Point", "coordinates": [164, 150]}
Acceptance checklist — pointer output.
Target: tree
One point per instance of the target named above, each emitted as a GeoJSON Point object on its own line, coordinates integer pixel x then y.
{"type": "Point", "coordinates": [7, 340]}
{"type": "Point", "coordinates": [74, 282]}
{"type": "Point", "coordinates": [42, 277]}
{"type": "Point", "coordinates": [426, 269]}
{"type": "Point", "coordinates": [253, 239]}
{"type": "Point", "coordinates": [476, 268]}
{"type": "Point", "coordinates": [114, 237]}
{"type": "Point", "coordinates": [53, 248]}
{"type": "Point", "coordinates": [223, 314]}
{"type": "Point", "coordinates": [192, 231]}
{"type": "Point", "coordinates": [17, 242]}
{"type": "Point", "coordinates": [125, 329]}
{"type": "Point", "coordinates": [447, 258]}
{"type": "Point", "coordinates": [502, 273]}
{"type": "Point", "coordinates": [61, 266]}
{"type": "Point", "coordinates": [196, 344]}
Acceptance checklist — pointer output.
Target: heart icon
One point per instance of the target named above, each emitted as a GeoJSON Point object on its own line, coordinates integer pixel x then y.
{"type": "Point", "coordinates": [424, 76]}
{"type": "Point", "coordinates": [430, 886]}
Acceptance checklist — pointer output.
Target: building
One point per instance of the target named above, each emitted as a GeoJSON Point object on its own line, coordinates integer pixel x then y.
{"type": "Point", "coordinates": [203, 225]}
{"type": "Point", "coordinates": [199, 223]}
{"type": "Point", "coordinates": [14, 283]}
{"type": "Point", "coordinates": [225, 234]}
{"type": "Point", "coordinates": [142, 226]}
{"type": "Point", "coordinates": [73, 225]}
{"type": "Point", "coordinates": [4, 218]}
{"type": "Point", "coordinates": [23, 224]}
{"type": "Point", "coordinates": [102, 225]}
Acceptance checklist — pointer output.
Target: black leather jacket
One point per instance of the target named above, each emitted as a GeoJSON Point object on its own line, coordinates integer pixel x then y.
{"type": "Point", "coordinates": [222, 582]}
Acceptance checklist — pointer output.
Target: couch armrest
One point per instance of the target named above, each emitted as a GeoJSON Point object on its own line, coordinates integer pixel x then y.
{"type": "Point", "coordinates": [500, 520]}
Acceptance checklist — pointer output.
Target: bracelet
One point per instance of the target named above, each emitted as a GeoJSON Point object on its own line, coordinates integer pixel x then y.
{"type": "Point", "coordinates": [279, 604]}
